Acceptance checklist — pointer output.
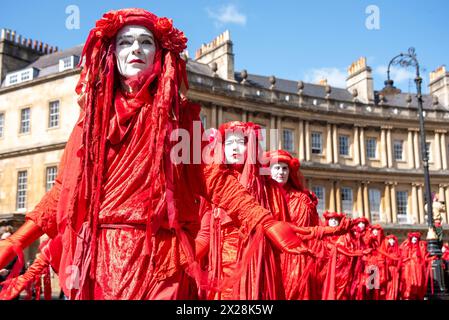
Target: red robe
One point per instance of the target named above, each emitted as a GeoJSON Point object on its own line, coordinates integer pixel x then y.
{"type": "Point", "coordinates": [413, 283]}
{"type": "Point", "coordinates": [121, 270]}
{"type": "Point", "coordinates": [375, 272]}
{"type": "Point", "coordinates": [299, 271]}
{"type": "Point", "coordinates": [240, 268]}
{"type": "Point", "coordinates": [392, 257]}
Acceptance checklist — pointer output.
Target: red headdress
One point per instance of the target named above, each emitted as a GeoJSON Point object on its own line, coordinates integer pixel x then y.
{"type": "Point", "coordinates": [250, 169]}
{"type": "Point", "coordinates": [101, 122]}
{"type": "Point", "coordinates": [410, 235]}
{"type": "Point", "coordinates": [329, 215]}
{"type": "Point", "coordinates": [295, 179]}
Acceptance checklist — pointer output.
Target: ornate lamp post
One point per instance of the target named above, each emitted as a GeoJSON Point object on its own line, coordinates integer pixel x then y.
{"type": "Point", "coordinates": [434, 247]}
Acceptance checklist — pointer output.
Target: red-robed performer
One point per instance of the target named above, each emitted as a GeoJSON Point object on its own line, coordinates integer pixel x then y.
{"type": "Point", "coordinates": [375, 271]}
{"type": "Point", "coordinates": [240, 267]}
{"type": "Point", "coordinates": [358, 231]}
{"type": "Point", "coordinates": [392, 254]}
{"type": "Point", "coordinates": [301, 272]}
{"type": "Point", "coordinates": [413, 283]}
{"type": "Point", "coordinates": [125, 212]}
{"type": "Point", "coordinates": [337, 267]}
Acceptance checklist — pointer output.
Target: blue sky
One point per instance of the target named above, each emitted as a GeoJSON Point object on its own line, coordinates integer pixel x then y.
{"type": "Point", "coordinates": [297, 40]}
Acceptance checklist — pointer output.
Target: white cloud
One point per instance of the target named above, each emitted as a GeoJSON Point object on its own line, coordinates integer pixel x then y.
{"type": "Point", "coordinates": [227, 14]}
{"type": "Point", "coordinates": [335, 77]}
{"type": "Point", "coordinates": [398, 75]}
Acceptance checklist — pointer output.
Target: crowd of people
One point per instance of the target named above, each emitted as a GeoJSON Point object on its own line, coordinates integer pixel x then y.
{"type": "Point", "coordinates": [125, 221]}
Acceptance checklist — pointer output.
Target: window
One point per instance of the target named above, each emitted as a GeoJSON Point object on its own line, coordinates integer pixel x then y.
{"type": "Point", "coordinates": [428, 151]}
{"type": "Point", "coordinates": [50, 177]}
{"type": "Point", "coordinates": [402, 206]}
{"type": "Point", "coordinates": [13, 79]}
{"type": "Point", "coordinates": [317, 143]}
{"type": "Point", "coordinates": [371, 147]}
{"type": "Point", "coordinates": [25, 75]}
{"type": "Point", "coordinates": [398, 149]}
{"type": "Point", "coordinates": [374, 204]}
{"type": "Point", "coordinates": [53, 114]}
{"type": "Point", "coordinates": [2, 124]}
{"type": "Point", "coordinates": [68, 63]}
{"type": "Point", "coordinates": [320, 194]}
{"type": "Point", "coordinates": [25, 120]}
{"type": "Point", "coordinates": [263, 134]}
{"type": "Point", "coordinates": [346, 200]}
{"type": "Point", "coordinates": [203, 118]}
{"type": "Point", "coordinates": [343, 144]}
{"type": "Point", "coordinates": [22, 181]}
{"type": "Point", "coordinates": [287, 141]}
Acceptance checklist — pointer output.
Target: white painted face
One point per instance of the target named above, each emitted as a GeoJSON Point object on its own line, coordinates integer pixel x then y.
{"type": "Point", "coordinates": [280, 172]}
{"type": "Point", "coordinates": [375, 232]}
{"type": "Point", "coordinates": [361, 225]}
{"type": "Point", "coordinates": [235, 148]}
{"type": "Point", "coordinates": [391, 241]}
{"type": "Point", "coordinates": [135, 48]}
{"type": "Point", "coordinates": [443, 249]}
{"type": "Point", "coordinates": [334, 222]}
{"type": "Point", "coordinates": [414, 239]}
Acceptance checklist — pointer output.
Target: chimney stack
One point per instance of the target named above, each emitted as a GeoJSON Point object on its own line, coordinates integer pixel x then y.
{"type": "Point", "coordinates": [360, 78]}
{"type": "Point", "coordinates": [219, 51]}
{"type": "Point", "coordinates": [439, 85]}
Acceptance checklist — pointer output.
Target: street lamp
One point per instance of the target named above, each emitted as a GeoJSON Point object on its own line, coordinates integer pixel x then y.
{"type": "Point", "coordinates": [434, 247]}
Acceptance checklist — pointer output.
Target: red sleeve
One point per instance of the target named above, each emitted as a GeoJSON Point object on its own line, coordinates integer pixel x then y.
{"type": "Point", "coordinates": [302, 210]}
{"type": "Point", "coordinates": [223, 189]}
{"type": "Point", "coordinates": [44, 214]}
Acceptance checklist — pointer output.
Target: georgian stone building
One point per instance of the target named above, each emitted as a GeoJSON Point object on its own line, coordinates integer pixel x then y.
{"type": "Point", "coordinates": [359, 149]}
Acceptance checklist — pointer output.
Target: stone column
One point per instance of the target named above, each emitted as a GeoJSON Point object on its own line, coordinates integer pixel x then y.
{"type": "Point", "coordinates": [329, 143]}
{"type": "Point", "coordinates": [335, 142]}
{"type": "Point", "coordinates": [220, 116]}
{"type": "Point", "coordinates": [394, 207]}
{"type": "Point", "coordinates": [437, 149]}
{"type": "Point", "coordinates": [416, 149]}
{"type": "Point", "coordinates": [446, 198]}
{"type": "Point", "coordinates": [244, 116]}
{"type": "Point", "coordinates": [410, 150]}
{"type": "Point", "coordinates": [441, 197]}
{"type": "Point", "coordinates": [443, 149]}
{"type": "Point", "coordinates": [301, 151]}
{"type": "Point", "coordinates": [308, 144]}
{"type": "Point", "coordinates": [362, 147]}
{"type": "Point", "coordinates": [387, 203]}
{"type": "Point", "coordinates": [332, 201]}
{"type": "Point", "coordinates": [338, 196]}
{"type": "Point", "coordinates": [421, 203]}
{"type": "Point", "coordinates": [415, 210]}
{"type": "Point", "coordinates": [213, 121]}
{"type": "Point", "coordinates": [274, 133]}
{"type": "Point", "coordinates": [389, 149]}
{"type": "Point", "coordinates": [280, 134]}
{"type": "Point", "coordinates": [366, 200]}
{"type": "Point", "coordinates": [383, 148]}
{"type": "Point", "coordinates": [356, 146]}
{"type": "Point", "coordinates": [360, 207]}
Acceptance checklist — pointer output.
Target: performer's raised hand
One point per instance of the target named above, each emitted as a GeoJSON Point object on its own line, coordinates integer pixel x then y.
{"type": "Point", "coordinates": [282, 235]}
{"type": "Point", "coordinates": [19, 240]}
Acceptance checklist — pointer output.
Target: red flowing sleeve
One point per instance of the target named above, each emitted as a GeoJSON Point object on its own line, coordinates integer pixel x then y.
{"type": "Point", "coordinates": [302, 209]}
{"type": "Point", "coordinates": [44, 214]}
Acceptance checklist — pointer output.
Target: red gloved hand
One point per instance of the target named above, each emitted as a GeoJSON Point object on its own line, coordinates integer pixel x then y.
{"type": "Point", "coordinates": [21, 239]}
{"type": "Point", "coordinates": [12, 288]}
{"type": "Point", "coordinates": [284, 237]}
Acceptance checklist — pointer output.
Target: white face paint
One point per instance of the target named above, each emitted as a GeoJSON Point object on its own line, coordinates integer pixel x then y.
{"type": "Point", "coordinates": [333, 222]}
{"type": "Point", "coordinates": [414, 239]}
{"type": "Point", "coordinates": [375, 232]}
{"type": "Point", "coordinates": [280, 172]}
{"type": "Point", "coordinates": [443, 249]}
{"type": "Point", "coordinates": [391, 241]}
{"type": "Point", "coordinates": [361, 225]}
{"type": "Point", "coordinates": [235, 148]}
{"type": "Point", "coordinates": [135, 49]}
